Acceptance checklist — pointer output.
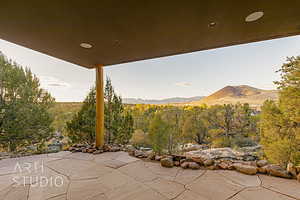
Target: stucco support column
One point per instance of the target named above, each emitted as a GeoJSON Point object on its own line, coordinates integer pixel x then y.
{"type": "Point", "coordinates": [99, 107]}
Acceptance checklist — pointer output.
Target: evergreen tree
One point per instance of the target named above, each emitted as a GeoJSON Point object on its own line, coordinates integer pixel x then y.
{"type": "Point", "coordinates": [118, 122]}
{"type": "Point", "coordinates": [24, 116]}
{"type": "Point", "coordinates": [82, 127]}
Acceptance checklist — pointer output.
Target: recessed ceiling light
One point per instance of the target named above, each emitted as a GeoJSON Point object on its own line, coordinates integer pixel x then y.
{"type": "Point", "coordinates": [86, 45]}
{"type": "Point", "coordinates": [212, 24]}
{"type": "Point", "coordinates": [254, 16]}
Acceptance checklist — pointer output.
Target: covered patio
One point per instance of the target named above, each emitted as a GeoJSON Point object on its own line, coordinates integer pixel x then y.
{"type": "Point", "coordinates": [96, 34]}
{"type": "Point", "coordinates": [101, 33]}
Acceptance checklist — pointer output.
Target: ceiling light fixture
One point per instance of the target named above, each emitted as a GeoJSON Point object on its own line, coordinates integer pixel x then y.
{"type": "Point", "coordinates": [254, 16]}
{"type": "Point", "coordinates": [212, 24]}
{"type": "Point", "coordinates": [86, 45]}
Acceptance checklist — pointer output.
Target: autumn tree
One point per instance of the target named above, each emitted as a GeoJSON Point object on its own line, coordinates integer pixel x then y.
{"type": "Point", "coordinates": [280, 122]}
{"type": "Point", "coordinates": [157, 133]}
{"type": "Point", "coordinates": [195, 127]}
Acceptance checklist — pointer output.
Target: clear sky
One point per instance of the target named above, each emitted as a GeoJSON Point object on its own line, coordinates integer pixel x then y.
{"type": "Point", "coordinates": [186, 75]}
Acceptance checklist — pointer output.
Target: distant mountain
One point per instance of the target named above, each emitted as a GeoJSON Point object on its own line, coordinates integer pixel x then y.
{"type": "Point", "coordinates": [234, 94]}
{"type": "Point", "coordinates": [173, 100]}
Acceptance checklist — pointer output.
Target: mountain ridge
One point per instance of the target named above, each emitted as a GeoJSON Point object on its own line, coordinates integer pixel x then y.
{"type": "Point", "coordinates": [238, 94]}
{"type": "Point", "coordinates": [172, 100]}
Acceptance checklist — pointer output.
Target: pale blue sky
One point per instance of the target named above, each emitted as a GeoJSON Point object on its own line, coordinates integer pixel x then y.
{"type": "Point", "coordinates": [186, 75]}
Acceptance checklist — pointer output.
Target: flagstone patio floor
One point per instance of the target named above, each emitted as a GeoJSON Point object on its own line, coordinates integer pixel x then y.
{"type": "Point", "coordinates": [117, 176]}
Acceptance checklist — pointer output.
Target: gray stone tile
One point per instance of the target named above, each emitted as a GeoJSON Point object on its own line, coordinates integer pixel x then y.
{"type": "Point", "coordinates": [17, 193]}
{"type": "Point", "coordinates": [189, 195]}
{"type": "Point", "coordinates": [138, 171]}
{"type": "Point", "coordinates": [259, 193]}
{"type": "Point", "coordinates": [79, 169]}
{"type": "Point", "coordinates": [239, 178]}
{"type": "Point", "coordinates": [286, 186]}
{"type": "Point", "coordinates": [167, 188]}
{"type": "Point", "coordinates": [85, 189]}
{"type": "Point", "coordinates": [187, 176]}
{"type": "Point", "coordinates": [214, 186]}
{"type": "Point", "coordinates": [162, 172]}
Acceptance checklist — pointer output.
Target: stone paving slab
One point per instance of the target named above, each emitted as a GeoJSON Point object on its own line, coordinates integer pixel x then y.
{"type": "Point", "coordinates": [212, 185]}
{"type": "Point", "coordinates": [117, 176]}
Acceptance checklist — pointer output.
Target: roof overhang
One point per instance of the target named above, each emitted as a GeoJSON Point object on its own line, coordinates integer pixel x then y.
{"type": "Point", "coordinates": [132, 30]}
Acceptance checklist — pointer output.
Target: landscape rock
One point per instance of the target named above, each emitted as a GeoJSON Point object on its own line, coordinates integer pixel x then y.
{"type": "Point", "coordinates": [246, 169]}
{"type": "Point", "coordinates": [98, 152]}
{"type": "Point", "coordinates": [195, 147]}
{"type": "Point", "coordinates": [262, 170]}
{"type": "Point", "coordinates": [292, 169]}
{"type": "Point", "coordinates": [139, 154]}
{"type": "Point", "coordinates": [71, 148]}
{"type": "Point", "coordinates": [251, 149]}
{"type": "Point", "coordinates": [176, 163]}
{"type": "Point", "coordinates": [208, 162]}
{"type": "Point", "coordinates": [91, 150]}
{"type": "Point", "coordinates": [276, 170]}
{"type": "Point", "coordinates": [201, 156]}
{"type": "Point", "coordinates": [158, 158]}
{"type": "Point", "coordinates": [184, 165]}
{"type": "Point", "coordinates": [84, 150]}
{"type": "Point", "coordinates": [213, 167]}
{"type": "Point", "coordinates": [262, 163]}
{"type": "Point", "coordinates": [226, 165]}
{"type": "Point", "coordinates": [251, 163]}
{"type": "Point", "coordinates": [193, 165]}
{"type": "Point", "coordinates": [151, 156]}
{"type": "Point", "coordinates": [167, 162]}
{"type": "Point", "coordinates": [182, 161]}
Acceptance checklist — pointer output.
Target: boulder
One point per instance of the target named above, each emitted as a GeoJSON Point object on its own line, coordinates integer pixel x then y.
{"type": "Point", "coordinates": [158, 158]}
{"type": "Point", "coordinates": [213, 167]}
{"type": "Point", "coordinates": [139, 154]}
{"type": "Point", "coordinates": [176, 163]}
{"type": "Point", "coordinates": [291, 169]}
{"type": "Point", "coordinates": [208, 162]}
{"type": "Point", "coordinates": [298, 177]}
{"type": "Point", "coordinates": [276, 170]}
{"type": "Point", "coordinates": [150, 155]}
{"type": "Point", "coordinates": [91, 150]}
{"type": "Point", "coordinates": [167, 162]}
{"type": "Point", "coordinates": [182, 161]}
{"type": "Point", "coordinates": [184, 165]}
{"type": "Point", "coordinates": [193, 165]}
{"type": "Point", "coordinates": [262, 170]}
{"type": "Point", "coordinates": [225, 165]}
{"type": "Point", "coordinates": [84, 150]}
{"type": "Point", "coordinates": [98, 152]}
{"type": "Point", "coordinates": [246, 169]}
{"type": "Point", "coordinates": [201, 156]}
{"type": "Point", "coordinates": [71, 148]}
{"type": "Point", "coordinates": [262, 163]}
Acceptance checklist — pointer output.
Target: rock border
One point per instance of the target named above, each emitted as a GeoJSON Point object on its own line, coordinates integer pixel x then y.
{"type": "Point", "coordinates": [189, 162]}
{"type": "Point", "coordinates": [245, 167]}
